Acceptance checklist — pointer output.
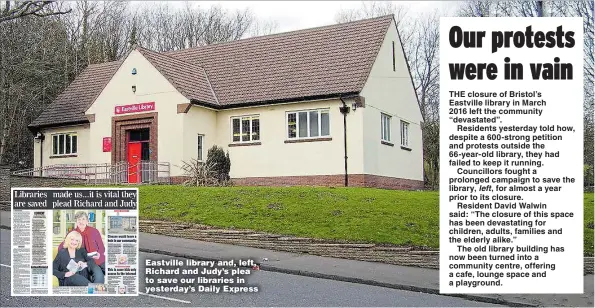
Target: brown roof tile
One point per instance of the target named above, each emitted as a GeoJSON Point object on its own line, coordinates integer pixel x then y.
{"type": "Point", "coordinates": [70, 105]}
{"type": "Point", "coordinates": [316, 62]}
{"type": "Point", "coordinates": [190, 79]}
{"type": "Point", "coordinates": [313, 62]}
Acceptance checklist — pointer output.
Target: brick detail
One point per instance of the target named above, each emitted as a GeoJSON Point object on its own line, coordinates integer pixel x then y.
{"type": "Point", "coordinates": [178, 179]}
{"type": "Point", "coordinates": [336, 180]}
{"type": "Point", "coordinates": [378, 181]}
{"type": "Point", "coordinates": [123, 123]}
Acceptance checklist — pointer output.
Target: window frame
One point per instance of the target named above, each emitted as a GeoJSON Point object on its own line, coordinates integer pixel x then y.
{"type": "Point", "coordinates": [297, 123]}
{"type": "Point", "coordinates": [56, 144]}
{"type": "Point", "coordinates": [252, 117]}
{"type": "Point", "coordinates": [383, 118]}
{"type": "Point", "coordinates": [200, 147]}
{"type": "Point", "coordinates": [404, 129]}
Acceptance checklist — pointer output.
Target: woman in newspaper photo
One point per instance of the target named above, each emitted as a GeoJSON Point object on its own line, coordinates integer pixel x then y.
{"type": "Point", "coordinates": [92, 241]}
{"type": "Point", "coordinates": [73, 265]}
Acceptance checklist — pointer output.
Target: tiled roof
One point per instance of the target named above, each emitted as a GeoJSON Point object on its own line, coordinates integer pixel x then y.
{"type": "Point", "coordinates": [313, 62]}
{"type": "Point", "coordinates": [190, 79]}
{"type": "Point", "coordinates": [70, 105]}
{"type": "Point", "coordinates": [317, 62]}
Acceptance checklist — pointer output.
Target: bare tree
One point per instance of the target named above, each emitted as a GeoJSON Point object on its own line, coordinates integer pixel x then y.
{"type": "Point", "coordinates": [30, 76]}
{"type": "Point", "coordinates": [424, 63]}
{"type": "Point", "coordinates": [479, 9]}
{"type": "Point", "coordinates": [264, 27]}
{"type": "Point", "coordinates": [20, 9]}
{"type": "Point", "coordinates": [39, 57]}
{"type": "Point", "coordinates": [370, 9]}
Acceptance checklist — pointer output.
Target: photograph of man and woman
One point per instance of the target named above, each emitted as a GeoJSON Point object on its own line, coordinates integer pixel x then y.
{"type": "Point", "coordinates": [80, 257]}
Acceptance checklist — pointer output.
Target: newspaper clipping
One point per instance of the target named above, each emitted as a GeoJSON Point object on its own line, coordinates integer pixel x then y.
{"type": "Point", "coordinates": [74, 241]}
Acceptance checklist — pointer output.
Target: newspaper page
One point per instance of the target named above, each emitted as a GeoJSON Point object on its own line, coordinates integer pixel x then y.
{"type": "Point", "coordinates": [80, 241]}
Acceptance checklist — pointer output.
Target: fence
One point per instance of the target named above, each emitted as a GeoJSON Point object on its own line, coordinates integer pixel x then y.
{"type": "Point", "coordinates": [144, 172]}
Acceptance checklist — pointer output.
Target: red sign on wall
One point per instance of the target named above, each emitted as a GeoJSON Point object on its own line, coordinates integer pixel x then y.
{"type": "Point", "coordinates": [135, 108]}
{"type": "Point", "coordinates": [107, 144]}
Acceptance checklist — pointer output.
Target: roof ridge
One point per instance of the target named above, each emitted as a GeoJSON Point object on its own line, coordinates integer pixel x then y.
{"type": "Point", "coordinates": [168, 56]}
{"type": "Point", "coordinates": [154, 57]}
{"type": "Point", "coordinates": [161, 70]}
{"type": "Point", "coordinates": [336, 25]}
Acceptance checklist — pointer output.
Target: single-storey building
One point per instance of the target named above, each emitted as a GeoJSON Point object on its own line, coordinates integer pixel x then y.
{"type": "Point", "coordinates": [319, 106]}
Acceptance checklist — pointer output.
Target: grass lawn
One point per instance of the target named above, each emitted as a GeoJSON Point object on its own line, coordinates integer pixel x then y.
{"type": "Point", "coordinates": [353, 214]}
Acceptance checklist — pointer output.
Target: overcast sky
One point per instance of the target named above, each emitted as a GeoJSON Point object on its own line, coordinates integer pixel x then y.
{"type": "Point", "coordinates": [295, 15]}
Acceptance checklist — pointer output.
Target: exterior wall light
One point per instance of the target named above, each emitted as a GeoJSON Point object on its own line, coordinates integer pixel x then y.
{"type": "Point", "coordinates": [39, 136]}
{"type": "Point", "coordinates": [134, 71]}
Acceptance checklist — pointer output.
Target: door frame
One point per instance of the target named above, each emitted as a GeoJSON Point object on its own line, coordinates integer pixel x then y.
{"type": "Point", "coordinates": [120, 127]}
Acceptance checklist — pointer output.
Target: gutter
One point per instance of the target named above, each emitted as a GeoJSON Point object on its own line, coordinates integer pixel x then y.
{"type": "Point", "coordinates": [272, 102]}
{"type": "Point", "coordinates": [36, 128]}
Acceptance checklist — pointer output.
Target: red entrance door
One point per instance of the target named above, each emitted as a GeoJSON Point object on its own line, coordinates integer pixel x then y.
{"type": "Point", "coordinates": [134, 157]}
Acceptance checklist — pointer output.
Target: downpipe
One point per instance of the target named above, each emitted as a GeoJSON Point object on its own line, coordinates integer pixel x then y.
{"type": "Point", "coordinates": [345, 110]}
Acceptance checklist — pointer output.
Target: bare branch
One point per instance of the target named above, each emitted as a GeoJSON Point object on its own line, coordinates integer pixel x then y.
{"type": "Point", "coordinates": [26, 8]}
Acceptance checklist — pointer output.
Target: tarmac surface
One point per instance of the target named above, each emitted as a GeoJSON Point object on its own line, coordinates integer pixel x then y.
{"type": "Point", "coordinates": [419, 280]}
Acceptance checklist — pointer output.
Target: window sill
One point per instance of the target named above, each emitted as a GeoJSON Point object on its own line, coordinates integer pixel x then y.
{"type": "Point", "coordinates": [64, 156]}
{"type": "Point", "coordinates": [308, 140]}
{"type": "Point", "coordinates": [387, 143]}
{"type": "Point", "coordinates": [405, 148]}
{"type": "Point", "coordinates": [244, 144]}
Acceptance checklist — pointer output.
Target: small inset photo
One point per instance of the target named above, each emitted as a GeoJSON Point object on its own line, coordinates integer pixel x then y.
{"type": "Point", "coordinates": [78, 243]}
{"type": "Point", "coordinates": [122, 259]}
{"type": "Point", "coordinates": [121, 225]}
{"type": "Point", "coordinates": [94, 288]}
{"type": "Point", "coordinates": [121, 289]}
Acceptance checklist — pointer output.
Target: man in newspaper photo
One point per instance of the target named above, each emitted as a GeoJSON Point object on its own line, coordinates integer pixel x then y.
{"type": "Point", "coordinates": [73, 266]}
{"type": "Point", "coordinates": [92, 242]}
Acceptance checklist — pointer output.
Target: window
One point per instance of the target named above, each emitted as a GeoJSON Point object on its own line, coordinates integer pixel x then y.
{"type": "Point", "coordinates": [404, 134]}
{"type": "Point", "coordinates": [200, 147]}
{"type": "Point", "coordinates": [142, 134]}
{"type": "Point", "coordinates": [385, 127]}
{"type": "Point", "coordinates": [245, 128]}
{"type": "Point", "coordinates": [308, 124]}
{"type": "Point", "coordinates": [64, 144]}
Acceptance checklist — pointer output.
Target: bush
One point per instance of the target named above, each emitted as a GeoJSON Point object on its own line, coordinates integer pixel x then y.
{"type": "Point", "coordinates": [212, 172]}
{"type": "Point", "coordinates": [220, 162]}
{"type": "Point", "coordinates": [199, 173]}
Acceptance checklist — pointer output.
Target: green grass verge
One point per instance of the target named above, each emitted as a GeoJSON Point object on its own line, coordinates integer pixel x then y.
{"type": "Point", "coordinates": [352, 214]}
